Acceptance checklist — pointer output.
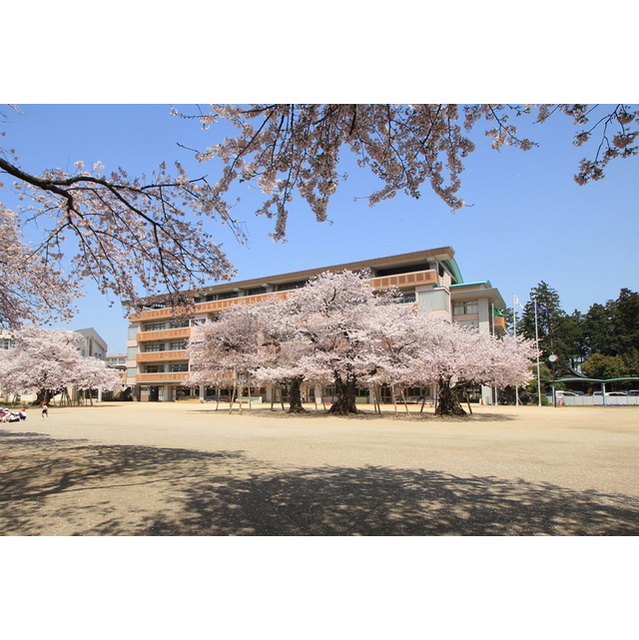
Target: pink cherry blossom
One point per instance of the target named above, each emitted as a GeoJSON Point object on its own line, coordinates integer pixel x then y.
{"type": "Point", "coordinates": [49, 360]}
{"type": "Point", "coordinates": [336, 330]}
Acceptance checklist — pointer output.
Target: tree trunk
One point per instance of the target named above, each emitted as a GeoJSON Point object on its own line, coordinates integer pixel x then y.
{"type": "Point", "coordinates": [401, 390]}
{"type": "Point", "coordinates": [240, 395]}
{"type": "Point", "coordinates": [346, 393]}
{"type": "Point", "coordinates": [232, 399]}
{"type": "Point", "coordinates": [448, 403]}
{"type": "Point", "coordinates": [294, 397]}
{"type": "Point", "coordinates": [376, 401]}
{"type": "Point", "coordinates": [468, 400]}
{"type": "Point", "coordinates": [392, 390]}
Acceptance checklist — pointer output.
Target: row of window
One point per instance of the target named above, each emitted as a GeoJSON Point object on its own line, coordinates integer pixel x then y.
{"type": "Point", "coordinates": [172, 368]}
{"type": "Point", "coordinates": [459, 309]}
{"type": "Point", "coordinates": [211, 297]}
{"type": "Point", "coordinates": [164, 346]}
{"type": "Point", "coordinates": [173, 324]}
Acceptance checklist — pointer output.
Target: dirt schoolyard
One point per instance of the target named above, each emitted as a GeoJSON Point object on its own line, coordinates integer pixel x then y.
{"type": "Point", "coordinates": [187, 469]}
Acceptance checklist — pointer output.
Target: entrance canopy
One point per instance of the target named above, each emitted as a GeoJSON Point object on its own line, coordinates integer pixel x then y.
{"type": "Point", "coordinates": [599, 380]}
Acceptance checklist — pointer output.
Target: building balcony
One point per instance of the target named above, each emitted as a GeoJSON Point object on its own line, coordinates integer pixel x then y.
{"type": "Point", "coordinates": [153, 378]}
{"type": "Point", "coordinates": [401, 281]}
{"type": "Point", "coordinates": [466, 317]}
{"type": "Point", "coordinates": [499, 324]}
{"type": "Point", "coordinates": [161, 356]}
{"type": "Point", "coordinates": [406, 280]}
{"type": "Point", "coordinates": [202, 307]}
{"type": "Point", "coordinates": [167, 334]}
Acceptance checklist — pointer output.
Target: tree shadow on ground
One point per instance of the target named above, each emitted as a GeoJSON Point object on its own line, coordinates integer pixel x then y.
{"type": "Point", "coordinates": [319, 414]}
{"type": "Point", "coordinates": [90, 489]}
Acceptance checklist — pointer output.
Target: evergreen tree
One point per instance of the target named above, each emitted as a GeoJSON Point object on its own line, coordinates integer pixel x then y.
{"type": "Point", "coordinates": [598, 329]}
{"type": "Point", "coordinates": [626, 326]}
{"type": "Point", "coordinates": [604, 367]}
{"type": "Point", "coordinates": [551, 324]}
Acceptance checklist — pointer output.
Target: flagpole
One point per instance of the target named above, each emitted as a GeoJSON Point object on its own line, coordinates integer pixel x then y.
{"type": "Point", "coordinates": [537, 339]}
{"type": "Point", "coordinates": [492, 305]}
{"type": "Point", "coordinates": [515, 334]}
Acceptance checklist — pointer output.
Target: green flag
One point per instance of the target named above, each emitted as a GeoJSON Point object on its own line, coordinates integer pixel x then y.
{"type": "Point", "coordinates": [498, 313]}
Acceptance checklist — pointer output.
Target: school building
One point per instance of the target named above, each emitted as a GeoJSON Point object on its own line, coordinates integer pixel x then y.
{"type": "Point", "coordinates": [157, 362]}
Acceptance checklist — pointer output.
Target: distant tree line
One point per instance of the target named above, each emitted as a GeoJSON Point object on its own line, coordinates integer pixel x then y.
{"type": "Point", "coordinates": [601, 343]}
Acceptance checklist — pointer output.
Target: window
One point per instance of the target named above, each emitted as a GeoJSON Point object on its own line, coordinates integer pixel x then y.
{"type": "Point", "coordinates": [154, 346]}
{"type": "Point", "coordinates": [178, 324]}
{"type": "Point", "coordinates": [154, 368]}
{"type": "Point", "coordinates": [291, 285]}
{"type": "Point", "coordinates": [175, 368]}
{"type": "Point", "coordinates": [6, 343]}
{"type": "Point", "coordinates": [465, 308]}
{"type": "Point", "coordinates": [156, 326]}
{"type": "Point", "coordinates": [177, 346]}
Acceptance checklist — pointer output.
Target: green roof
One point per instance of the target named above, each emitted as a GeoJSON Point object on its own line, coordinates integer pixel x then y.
{"type": "Point", "coordinates": [454, 269]}
{"type": "Point", "coordinates": [595, 379]}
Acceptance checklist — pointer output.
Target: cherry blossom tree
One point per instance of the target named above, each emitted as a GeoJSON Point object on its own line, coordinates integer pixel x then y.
{"type": "Point", "coordinates": [48, 361]}
{"type": "Point", "coordinates": [396, 333]}
{"type": "Point", "coordinates": [336, 330]}
{"type": "Point", "coordinates": [329, 318]}
{"type": "Point", "coordinates": [283, 353]}
{"type": "Point", "coordinates": [130, 235]}
{"type": "Point", "coordinates": [284, 148]}
{"type": "Point", "coordinates": [228, 349]}
{"type": "Point", "coordinates": [453, 357]}
{"type": "Point", "coordinates": [135, 236]}
{"type": "Point", "coordinates": [91, 373]}
{"type": "Point", "coordinates": [32, 288]}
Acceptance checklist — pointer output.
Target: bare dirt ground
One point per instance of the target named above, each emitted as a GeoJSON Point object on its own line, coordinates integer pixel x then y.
{"type": "Point", "coordinates": [187, 469]}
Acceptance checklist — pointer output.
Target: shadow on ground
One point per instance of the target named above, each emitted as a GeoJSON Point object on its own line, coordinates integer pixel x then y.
{"type": "Point", "coordinates": [319, 414]}
{"type": "Point", "coordinates": [69, 487]}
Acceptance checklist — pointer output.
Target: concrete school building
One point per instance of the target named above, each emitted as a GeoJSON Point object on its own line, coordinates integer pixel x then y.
{"type": "Point", "coordinates": [94, 346]}
{"type": "Point", "coordinates": [157, 362]}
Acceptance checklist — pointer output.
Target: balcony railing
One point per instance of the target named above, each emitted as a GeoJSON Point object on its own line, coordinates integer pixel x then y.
{"type": "Point", "coordinates": [499, 323]}
{"type": "Point", "coordinates": [204, 307]}
{"type": "Point", "coordinates": [402, 281]}
{"type": "Point", "coordinates": [167, 334]}
{"type": "Point", "coordinates": [149, 378]}
{"type": "Point", "coordinates": [161, 356]}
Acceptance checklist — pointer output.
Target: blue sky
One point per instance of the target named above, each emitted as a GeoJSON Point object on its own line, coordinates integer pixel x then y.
{"type": "Point", "coordinates": [529, 221]}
